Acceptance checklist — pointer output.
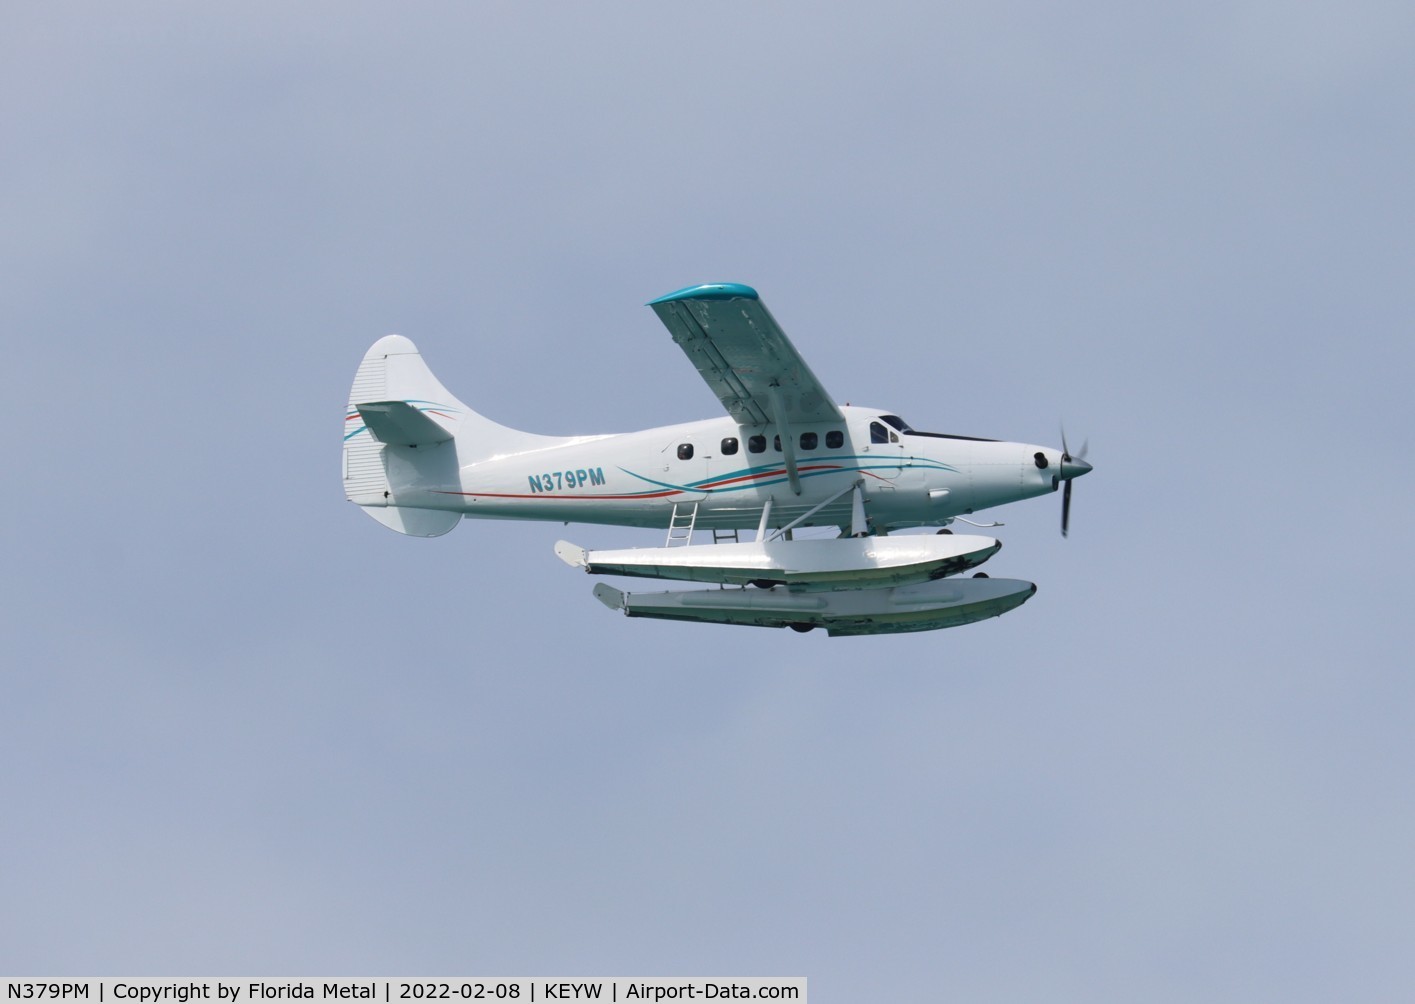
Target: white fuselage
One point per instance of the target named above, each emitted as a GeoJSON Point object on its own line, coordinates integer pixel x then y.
{"type": "Point", "coordinates": [731, 472]}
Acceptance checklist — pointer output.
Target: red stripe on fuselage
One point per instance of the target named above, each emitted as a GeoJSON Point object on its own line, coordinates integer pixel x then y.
{"type": "Point", "coordinates": [580, 498]}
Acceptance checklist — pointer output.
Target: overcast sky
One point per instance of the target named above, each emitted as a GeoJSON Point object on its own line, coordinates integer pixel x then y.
{"type": "Point", "coordinates": [247, 730]}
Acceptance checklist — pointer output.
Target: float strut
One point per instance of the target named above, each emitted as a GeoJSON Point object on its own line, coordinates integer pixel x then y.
{"type": "Point", "coordinates": [812, 511]}
{"type": "Point", "coordinates": [858, 526]}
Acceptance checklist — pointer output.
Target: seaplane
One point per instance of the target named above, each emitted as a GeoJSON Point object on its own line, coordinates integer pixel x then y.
{"type": "Point", "coordinates": [783, 512]}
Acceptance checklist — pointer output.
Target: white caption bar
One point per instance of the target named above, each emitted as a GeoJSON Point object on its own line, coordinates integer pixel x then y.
{"type": "Point", "coordinates": [405, 990]}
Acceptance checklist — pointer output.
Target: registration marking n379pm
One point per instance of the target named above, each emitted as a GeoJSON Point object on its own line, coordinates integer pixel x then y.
{"type": "Point", "coordinates": [556, 481]}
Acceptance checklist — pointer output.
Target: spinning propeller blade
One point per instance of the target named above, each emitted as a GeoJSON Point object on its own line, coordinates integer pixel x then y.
{"type": "Point", "coordinates": [1071, 468]}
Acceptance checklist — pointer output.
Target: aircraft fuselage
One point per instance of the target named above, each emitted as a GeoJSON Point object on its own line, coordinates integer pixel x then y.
{"type": "Point", "coordinates": [731, 472]}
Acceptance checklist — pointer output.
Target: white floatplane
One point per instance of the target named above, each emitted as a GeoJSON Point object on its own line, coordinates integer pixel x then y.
{"type": "Point", "coordinates": [784, 458]}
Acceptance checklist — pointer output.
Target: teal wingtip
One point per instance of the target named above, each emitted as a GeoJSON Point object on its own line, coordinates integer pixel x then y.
{"type": "Point", "coordinates": [711, 291]}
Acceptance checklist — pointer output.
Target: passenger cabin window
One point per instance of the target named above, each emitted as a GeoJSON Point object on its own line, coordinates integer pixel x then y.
{"type": "Point", "coordinates": [776, 444]}
{"type": "Point", "coordinates": [878, 433]}
{"type": "Point", "coordinates": [756, 444]}
{"type": "Point", "coordinates": [808, 440]}
{"type": "Point", "coordinates": [834, 439]}
{"type": "Point", "coordinates": [729, 446]}
{"type": "Point", "coordinates": [685, 451]}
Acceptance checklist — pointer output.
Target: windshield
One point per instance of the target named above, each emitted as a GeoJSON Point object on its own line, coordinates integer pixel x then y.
{"type": "Point", "coordinates": [905, 428]}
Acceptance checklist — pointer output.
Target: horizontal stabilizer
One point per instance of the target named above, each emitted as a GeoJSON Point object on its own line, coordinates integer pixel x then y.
{"type": "Point", "coordinates": [399, 423]}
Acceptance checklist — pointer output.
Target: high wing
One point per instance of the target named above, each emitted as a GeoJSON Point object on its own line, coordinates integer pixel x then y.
{"type": "Point", "coordinates": [744, 355]}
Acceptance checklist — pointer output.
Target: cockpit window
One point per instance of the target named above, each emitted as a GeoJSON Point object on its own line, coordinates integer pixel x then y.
{"type": "Point", "coordinates": [897, 422]}
{"type": "Point", "coordinates": [878, 433]}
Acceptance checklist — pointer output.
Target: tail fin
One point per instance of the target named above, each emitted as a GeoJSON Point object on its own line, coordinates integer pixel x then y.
{"type": "Point", "coordinates": [398, 440]}
{"type": "Point", "coordinates": [406, 438]}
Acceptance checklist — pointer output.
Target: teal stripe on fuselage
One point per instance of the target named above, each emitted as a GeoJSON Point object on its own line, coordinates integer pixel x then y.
{"type": "Point", "coordinates": [846, 459]}
{"type": "Point", "coordinates": [696, 486]}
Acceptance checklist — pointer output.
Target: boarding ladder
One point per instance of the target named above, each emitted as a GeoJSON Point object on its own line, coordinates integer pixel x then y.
{"type": "Point", "coordinates": [681, 524]}
{"type": "Point", "coordinates": [729, 536]}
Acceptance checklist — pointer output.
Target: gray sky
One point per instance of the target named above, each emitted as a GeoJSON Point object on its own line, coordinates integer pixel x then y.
{"type": "Point", "coordinates": [247, 730]}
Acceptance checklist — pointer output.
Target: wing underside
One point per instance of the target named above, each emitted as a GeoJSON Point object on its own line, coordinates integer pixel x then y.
{"type": "Point", "coordinates": [744, 355]}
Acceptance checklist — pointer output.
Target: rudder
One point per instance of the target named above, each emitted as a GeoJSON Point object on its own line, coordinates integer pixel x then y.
{"type": "Point", "coordinates": [393, 380]}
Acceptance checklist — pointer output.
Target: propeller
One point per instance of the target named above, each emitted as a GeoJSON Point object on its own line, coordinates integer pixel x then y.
{"type": "Point", "coordinates": [1071, 468]}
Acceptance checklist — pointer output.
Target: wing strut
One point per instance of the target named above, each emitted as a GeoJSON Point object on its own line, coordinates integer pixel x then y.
{"type": "Point", "coordinates": [788, 444]}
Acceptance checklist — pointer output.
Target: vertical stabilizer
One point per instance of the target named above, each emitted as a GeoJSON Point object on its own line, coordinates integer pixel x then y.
{"type": "Point", "coordinates": [393, 391]}
{"type": "Point", "coordinates": [406, 438]}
